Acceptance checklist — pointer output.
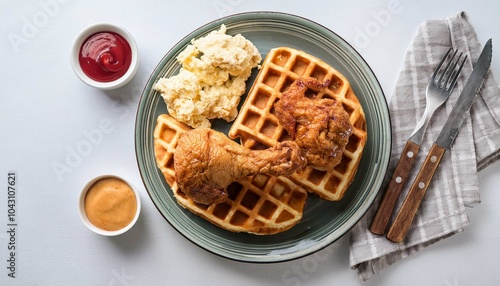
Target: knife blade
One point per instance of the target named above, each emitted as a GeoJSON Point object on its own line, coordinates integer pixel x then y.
{"type": "Point", "coordinates": [445, 139]}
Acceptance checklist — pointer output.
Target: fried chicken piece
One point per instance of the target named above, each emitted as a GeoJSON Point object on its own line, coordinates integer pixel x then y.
{"type": "Point", "coordinates": [320, 126]}
{"type": "Point", "coordinates": [207, 161]}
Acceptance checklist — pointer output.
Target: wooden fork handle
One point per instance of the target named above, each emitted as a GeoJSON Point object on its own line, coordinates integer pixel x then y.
{"type": "Point", "coordinates": [404, 218]}
{"type": "Point", "coordinates": [388, 202]}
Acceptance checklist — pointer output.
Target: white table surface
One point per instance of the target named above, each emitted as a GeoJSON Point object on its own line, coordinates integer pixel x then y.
{"type": "Point", "coordinates": [45, 111]}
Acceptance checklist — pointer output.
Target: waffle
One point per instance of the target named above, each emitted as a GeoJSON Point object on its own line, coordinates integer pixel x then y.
{"type": "Point", "coordinates": [259, 204]}
{"type": "Point", "coordinates": [258, 127]}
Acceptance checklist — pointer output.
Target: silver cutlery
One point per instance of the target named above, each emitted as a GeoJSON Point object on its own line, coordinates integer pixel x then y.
{"type": "Point", "coordinates": [404, 218]}
{"type": "Point", "coordinates": [440, 86]}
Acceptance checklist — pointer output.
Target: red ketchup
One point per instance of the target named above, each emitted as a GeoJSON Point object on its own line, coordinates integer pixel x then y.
{"type": "Point", "coordinates": [105, 56]}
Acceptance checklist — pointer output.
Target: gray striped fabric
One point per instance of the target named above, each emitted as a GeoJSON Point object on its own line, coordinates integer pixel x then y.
{"type": "Point", "coordinates": [455, 184]}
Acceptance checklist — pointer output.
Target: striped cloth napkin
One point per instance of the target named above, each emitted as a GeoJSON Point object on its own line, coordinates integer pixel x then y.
{"type": "Point", "coordinates": [455, 185]}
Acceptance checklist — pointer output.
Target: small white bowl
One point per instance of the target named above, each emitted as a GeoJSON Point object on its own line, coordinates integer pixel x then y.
{"type": "Point", "coordinates": [88, 223]}
{"type": "Point", "coordinates": [104, 27]}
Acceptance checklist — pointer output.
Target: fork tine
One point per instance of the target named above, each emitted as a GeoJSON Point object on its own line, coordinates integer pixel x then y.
{"type": "Point", "coordinates": [446, 69]}
{"type": "Point", "coordinates": [451, 73]}
{"type": "Point", "coordinates": [440, 64]}
{"type": "Point", "coordinates": [455, 77]}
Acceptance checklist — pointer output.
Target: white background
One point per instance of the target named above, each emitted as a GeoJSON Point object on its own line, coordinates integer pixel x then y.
{"type": "Point", "coordinates": [45, 112]}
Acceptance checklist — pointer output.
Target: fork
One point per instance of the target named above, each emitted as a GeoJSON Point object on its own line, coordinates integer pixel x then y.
{"type": "Point", "coordinates": [440, 86]}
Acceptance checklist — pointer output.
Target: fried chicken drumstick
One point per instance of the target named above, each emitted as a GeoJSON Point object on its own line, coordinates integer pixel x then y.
{"type": "Point", "coordinates": [207, 161]}
{"type": "Point", "coordinates": [320, 126]}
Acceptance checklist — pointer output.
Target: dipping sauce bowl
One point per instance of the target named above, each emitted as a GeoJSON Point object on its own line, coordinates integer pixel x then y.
{"type": "Point", "coordinates": [105, 56]}
{"type": "Point", "coordinates": [109, 205]}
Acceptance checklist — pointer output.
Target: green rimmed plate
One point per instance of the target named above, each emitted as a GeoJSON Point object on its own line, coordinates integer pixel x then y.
{"type": "Point", "coordinates": [323, 222]}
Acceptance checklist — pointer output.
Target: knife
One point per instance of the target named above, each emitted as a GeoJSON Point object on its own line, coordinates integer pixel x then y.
{"type": "Point", "coordinates": [411, 203]}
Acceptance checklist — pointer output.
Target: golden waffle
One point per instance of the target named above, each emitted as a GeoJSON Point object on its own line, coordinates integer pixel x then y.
{"type": "Point", "coordinates": [260, 204]}
{"type": "Point", "coordinates": [258, 127]}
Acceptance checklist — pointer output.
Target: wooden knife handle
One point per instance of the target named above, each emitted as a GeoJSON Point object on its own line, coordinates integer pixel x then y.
{"type": "Point", "coordinates": [388, 202]}
{"type": "Point", "coordinates": [404, 218]}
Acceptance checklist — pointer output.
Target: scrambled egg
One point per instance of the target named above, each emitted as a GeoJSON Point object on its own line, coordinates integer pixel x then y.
{"type": "Point", "coordinates": [211, 80]}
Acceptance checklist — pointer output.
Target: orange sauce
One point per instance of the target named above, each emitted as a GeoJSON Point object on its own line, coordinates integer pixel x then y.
{"type": "Point", "coordinates": [110, 204]}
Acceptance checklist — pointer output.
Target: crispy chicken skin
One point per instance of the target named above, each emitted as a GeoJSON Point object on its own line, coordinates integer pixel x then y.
{"type": "Point", "coordinates": [320, 126]}
{"type": "Point", "coordinates": [207, 161]}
